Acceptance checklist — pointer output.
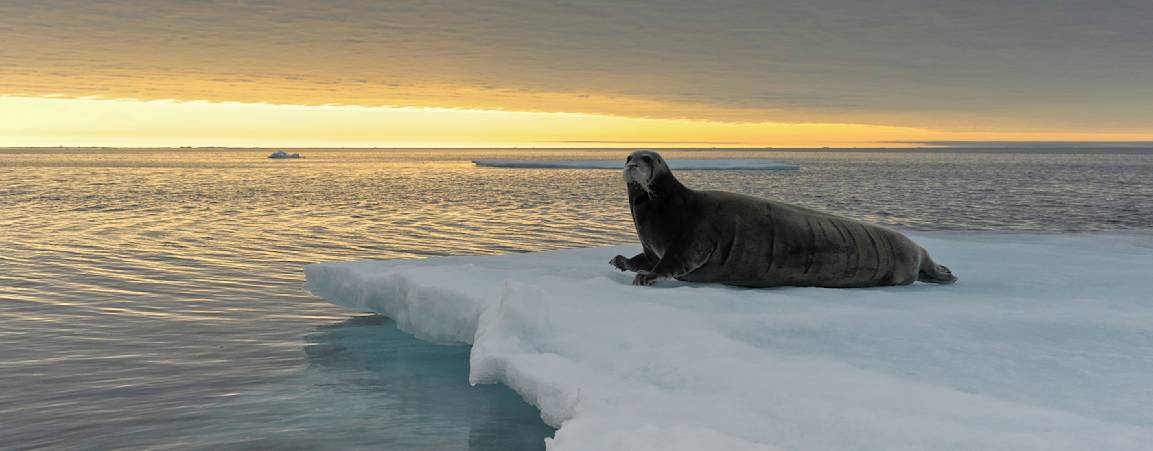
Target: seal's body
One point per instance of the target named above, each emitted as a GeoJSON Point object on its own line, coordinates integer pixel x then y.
{"type": "Point", "coordinates": [714, 236]}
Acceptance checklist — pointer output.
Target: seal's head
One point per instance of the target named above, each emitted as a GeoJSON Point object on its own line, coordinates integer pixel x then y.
{"type": "Point", "coordinates": [644, 168]}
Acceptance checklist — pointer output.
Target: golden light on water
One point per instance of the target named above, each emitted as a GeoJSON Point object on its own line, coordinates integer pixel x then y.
{"type": "Point", "coordinates": [45, 121]}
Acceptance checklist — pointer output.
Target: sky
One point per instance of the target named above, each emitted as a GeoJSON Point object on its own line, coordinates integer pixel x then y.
{"type": "Point", "coordinates": [614, 73]}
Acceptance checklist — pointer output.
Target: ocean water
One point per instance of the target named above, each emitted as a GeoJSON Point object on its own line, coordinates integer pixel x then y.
{"type": "Point", "coordinates": [153, 299]}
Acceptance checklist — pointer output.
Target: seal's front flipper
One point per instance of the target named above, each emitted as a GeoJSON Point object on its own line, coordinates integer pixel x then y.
{"type": "Point", "coordinates": [640, 262]}
{"type": "Point", "coordinates": [645, 278]}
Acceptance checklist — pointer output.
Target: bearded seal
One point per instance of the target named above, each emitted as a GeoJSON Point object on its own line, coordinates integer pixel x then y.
{"type": "Point", "coordinates": [734, 239]}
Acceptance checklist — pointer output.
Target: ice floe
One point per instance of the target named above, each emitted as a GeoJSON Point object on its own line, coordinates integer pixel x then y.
{"type": "Point", "coordinates": [1046, 343]}
{"type": "Point", "coordinates": [282, 155]}
{"type": "Point", "coordinates": [675, 164]}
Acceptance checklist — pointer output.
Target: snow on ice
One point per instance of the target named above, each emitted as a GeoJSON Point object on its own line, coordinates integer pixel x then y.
{"type": "Point", "coordinates": [1045, 343]}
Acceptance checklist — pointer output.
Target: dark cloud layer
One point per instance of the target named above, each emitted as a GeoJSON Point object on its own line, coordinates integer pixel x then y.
{"type": "Point", "coordinates": [960, 65]}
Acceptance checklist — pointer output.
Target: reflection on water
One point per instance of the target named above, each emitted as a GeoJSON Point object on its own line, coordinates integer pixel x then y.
{"type": "Point", "coordinates": [153, 298]}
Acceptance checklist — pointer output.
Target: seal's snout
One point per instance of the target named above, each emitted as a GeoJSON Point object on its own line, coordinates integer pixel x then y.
{"type": "Point", "coordinates": [641, 167]}
{"type": "Point", "coordinates": [630, 162]}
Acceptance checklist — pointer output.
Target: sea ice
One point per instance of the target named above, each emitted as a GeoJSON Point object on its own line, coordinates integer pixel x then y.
{"type": "Point", "coordinates": [281, 155]}
{"type": "Point", "coordinates": [1045, 343]}
{"type": "Point", "coordinates": [675, 164]}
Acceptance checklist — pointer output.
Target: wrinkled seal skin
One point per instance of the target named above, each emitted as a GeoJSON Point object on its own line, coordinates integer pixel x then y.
{"type": "Point", "coordinates": [734, 239]}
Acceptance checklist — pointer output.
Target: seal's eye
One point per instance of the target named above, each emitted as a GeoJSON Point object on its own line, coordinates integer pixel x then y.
{"type": "Point", "coordinates": [630, 158]}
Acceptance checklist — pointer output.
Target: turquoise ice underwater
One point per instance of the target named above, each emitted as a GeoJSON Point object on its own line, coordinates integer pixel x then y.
{"type": "Point", "coordinates": [154, 298]}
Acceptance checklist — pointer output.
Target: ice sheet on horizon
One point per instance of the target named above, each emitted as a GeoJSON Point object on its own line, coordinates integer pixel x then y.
{"type": "Point", "coordinates": [1043, 345]}
{"type": "Point", "coordinates": [676, 164]}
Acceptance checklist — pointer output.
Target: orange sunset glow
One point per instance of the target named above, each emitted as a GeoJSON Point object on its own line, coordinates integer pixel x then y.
{"type": "Point", "coordinates": [130, 123]}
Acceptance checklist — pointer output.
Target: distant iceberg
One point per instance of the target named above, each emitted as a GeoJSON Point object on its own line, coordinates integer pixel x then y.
{"type": "Point", "coordinates": [280, 154]}
{"type": "Point", "coordinates": [675, 164]}
{"type": "Point", "coordinates": [1044, 344]}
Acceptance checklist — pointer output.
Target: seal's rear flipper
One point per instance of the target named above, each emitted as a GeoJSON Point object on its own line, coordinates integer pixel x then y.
{"type": "Point", "coordinates": [934, 273]}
